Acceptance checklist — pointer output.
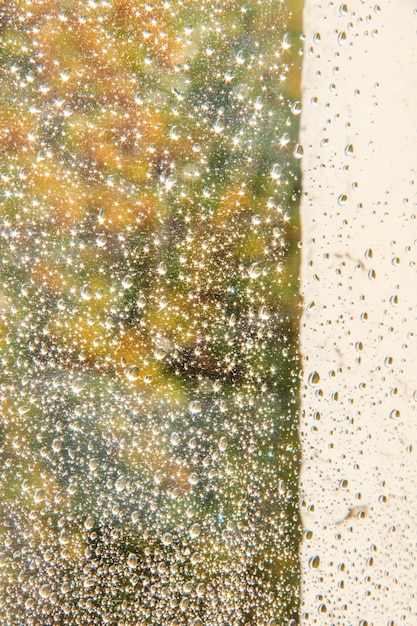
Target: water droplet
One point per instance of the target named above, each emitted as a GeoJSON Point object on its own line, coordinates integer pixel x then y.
{"type": "Point", "coordinates": [298, 151]}
{"type": "Point", "coordinates": [167, 539]}
{"type": "Point", "coordinates": [254, 270]}
{"type": "Point", "coordinates": [395, 414]}
{"type": "Point", "coordinates": [141, 302]}
{"type": "Point", "coordinates": [56, 445]}
{"type": "Point", "coordinates": [65, 75]}
{"type": "Point", "coordinates": [314, 562]}
{"type": "Point", "coordinates": [162, 269]}
{"type": "Point", "coordinates": [264, 313]}
{"type": "Point", "coordinates": [77, 386]}
{"type": "Point", "coordinates": [45, 591]}
{"type": "Point", "coordinates": [341, 38]}
{"type": "Point", "coordinates": [120, 483]}
{"type": "Point", "coordinates": [127, 282]}
{"type": "Point", "coordinates": [193, 479]}
{"type": "Point", "coordinates": [174, 133]}
{"type": "Point", "coordinates": [349, 150]}
{"type": "Point", "coordinates": [314, 379]}
{"type": "Point", "coordinates": [159, 354]}
{"type": "Point", "coordinates": [194, 407]}
{"type": "Point", "coordinates": [342, 199]}
{"type": "Point", "coordinates": [223, 443]}
{"type": "Point", "coordinates": [132, 561]}
{"type": "Point", "coordinates": [132, 372]}
{"type": "Point", "coordinates": [101, 240]}
{"type": "Point", "coordinates": [175, 439]}
{"type": "Point", "coordinates": [195, 531]}
{"type": "Point", "coordinates": [296, 108]}
{"type": "Point", "coordinates": [276, 171]}
{"type": "Point", "coordinates": [86, 292]}
{"type": "Point", "coordinates": [39, 495]}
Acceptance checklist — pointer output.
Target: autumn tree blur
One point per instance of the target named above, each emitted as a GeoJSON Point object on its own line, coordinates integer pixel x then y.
{"type": "Point", "coordinates": [149, 321]}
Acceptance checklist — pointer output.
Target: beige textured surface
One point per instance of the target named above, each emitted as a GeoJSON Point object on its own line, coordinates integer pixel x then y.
{"type": "Point", "coordinates": [359, 327]}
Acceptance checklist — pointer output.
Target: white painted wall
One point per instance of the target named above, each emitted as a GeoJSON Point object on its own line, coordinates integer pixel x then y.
{"type": "Point", "coordinates": [359, 326]}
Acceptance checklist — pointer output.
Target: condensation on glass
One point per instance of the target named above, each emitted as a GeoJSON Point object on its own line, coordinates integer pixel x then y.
{"type": "Point", "coordinates": [358, 332]}
{"type": "Point", "coordinates": [149, 446]}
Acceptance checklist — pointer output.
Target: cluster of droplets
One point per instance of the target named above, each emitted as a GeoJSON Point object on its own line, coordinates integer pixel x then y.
{"type": "Point", "coordinates": [149, 314]}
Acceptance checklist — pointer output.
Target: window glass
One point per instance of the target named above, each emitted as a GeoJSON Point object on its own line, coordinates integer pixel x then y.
{"type": "Point", "coordinates": [149, 312]}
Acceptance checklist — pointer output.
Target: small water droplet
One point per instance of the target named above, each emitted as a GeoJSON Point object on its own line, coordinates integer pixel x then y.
{"type": "Point", "coordinates": [132, 561]}
{"type": "Point", "coordinates": [194, 407]}
{"type": "Point", "coordinates": [175, 439]}
{"type": "Point", "coordinates": [372, 274]}
{"type": "Point", "coordinates": [254, 271]}
{"type": "Point", "coordinates": [141, 302]}
{"type": "Point", "coordinates": [86, 292]}
{"type": "Point", "coordinates": [120, 483]}
{"type": "Point", "coordinates": [127, 282]}
{"type": "Point", "coordinates": [296, 108]}
{"type": "Point", "coordinates": [195, 531]}
{"type": "Point", "coordinates": [132, 372]}
{"type": "Point", "coordinates": [298, 152]}
{"type": "Point", "coordinates": [167, 539]}
{"type": "Point", "coordinates": [77, 386]}
{"type": "Point", "coordinates": [341, 38]}
{"type": "Point", "coordinates": [101, 240]}
{"type": "Point", "coordinates": [65, 75]}
{"type": "Point", "coordinates": [45, 591]}
{"type": "Point", "coordinates": [223, 443]}
{"type": "Point", "coordinates": [314, 562]}
{"type": "Point", "coordinates": [314, 379]}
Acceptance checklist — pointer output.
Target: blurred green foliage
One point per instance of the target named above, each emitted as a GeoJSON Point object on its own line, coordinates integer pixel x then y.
{"type": "Point", "coordinates": [149, 318]}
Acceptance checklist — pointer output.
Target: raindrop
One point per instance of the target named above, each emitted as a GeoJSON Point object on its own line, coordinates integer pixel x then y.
{"type": "Point", "coordinates": [194, 407]}
{"type": "Point", "coordinates": [195, 531]}
{"type": "Point", "coordinates": [167, 539]}
{"type": "Point", "coordinates": [223, 443]}
{"type": "Point", "coordinates": [45, 591]}
{"type": "Point", "coordinates": [127, 282]}
{"type": "Point", "coordinates": [101, 240]}
{"type": "Point", "coordinates": [77, 386]}
{"type": "Point", "coordinates": [314, 562]}
{"type": "Point", "coordinates": [296, 108]}
{"type": "Point", "coordinates": [314, 379]}
{"type": "Point", "coordinates": [341, 38]}
{"type": "Point", "coordinates": [120, 483]}
{"type": "Point", "coordinates": [175, 439]}
{"type": "Point", "coordinates": [132, 561]}
{"type": "Point", "coordinates": [141, 302]}
{"type": "Point", "coordinates": [298, 151]}
{"type": "Point", "coordinates": [65, 75]}
{"type": "Point", "coordinates": [132, 372]}
{"type": "Point", "coordinates": [254, 271]}
{"type": "Point", "coordinates": [86, 292]}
